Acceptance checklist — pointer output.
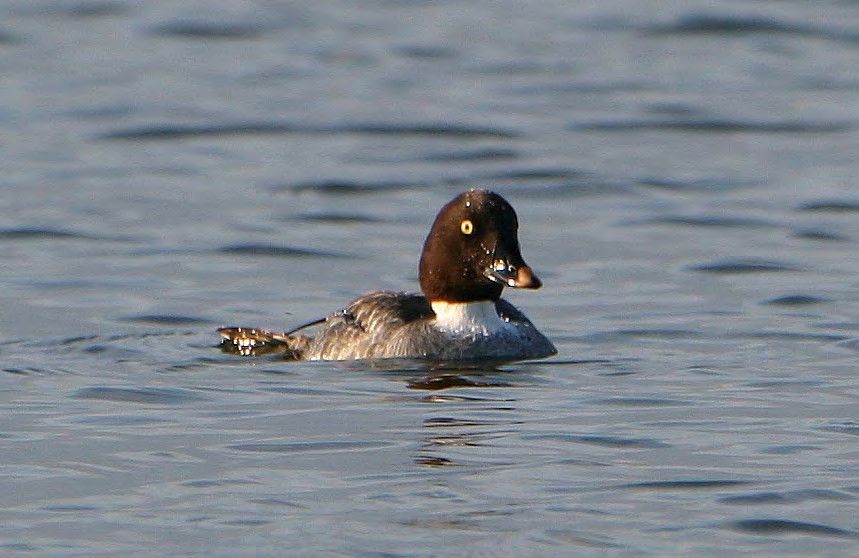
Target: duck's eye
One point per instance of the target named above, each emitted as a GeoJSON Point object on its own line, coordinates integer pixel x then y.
{"type": "Point", "coordinates": [467, 227]}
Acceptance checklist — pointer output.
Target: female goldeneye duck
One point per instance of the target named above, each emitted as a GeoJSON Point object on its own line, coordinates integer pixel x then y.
{"type": "Point", "coordinates": [470, 255]}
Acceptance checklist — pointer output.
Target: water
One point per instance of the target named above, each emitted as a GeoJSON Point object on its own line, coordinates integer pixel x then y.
{"type": "Point", "coordinates": [685, 179]}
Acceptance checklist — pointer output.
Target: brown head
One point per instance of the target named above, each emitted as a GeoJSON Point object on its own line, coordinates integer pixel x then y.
{"type": "Point", "coordinates": [472, 251]}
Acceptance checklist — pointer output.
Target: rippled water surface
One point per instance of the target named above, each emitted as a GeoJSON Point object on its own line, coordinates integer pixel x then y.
{"type": "Point", "coordinates": [685, 177]}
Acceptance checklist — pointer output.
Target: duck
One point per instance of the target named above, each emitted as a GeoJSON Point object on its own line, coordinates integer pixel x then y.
{"type": "Point", "coordinates": [470, 255]}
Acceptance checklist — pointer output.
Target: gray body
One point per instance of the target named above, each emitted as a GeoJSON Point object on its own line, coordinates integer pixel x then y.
{"type": "Point", "coordinates": [399, 325]}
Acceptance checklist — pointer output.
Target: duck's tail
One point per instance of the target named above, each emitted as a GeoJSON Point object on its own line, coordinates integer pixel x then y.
{"type": "Point", "coordinates": [248, 341]}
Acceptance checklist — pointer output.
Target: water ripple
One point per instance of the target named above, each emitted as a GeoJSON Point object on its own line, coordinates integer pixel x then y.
{"type": "Point", "coordinates": [716, 125]}
{"type": "Point", "coordinates": [740, 25]}
{"type": "Point", "coordinates": [831, 206]}
{"type": "Point", "coordinates": [304, 447]}
{"type": "Point", "coordinates": [820, 234]}
{"type": "Point", "coordinates": [339, 218]}
{"type": "Point", "coordinates": [119, 420]}
{"type": "Point", "coordinates": [488, 154]}
{"type": "Point", "coordinates": [796, 300]}
{"type": "Point", "coordinates": [603, 441]}
{"type": "Point", "coordinates": [707, 24]}
{"type": "Point", "coordinates": [714, 221]}
{"type": "Point", "coordinates": [735, 266]}
{"type": "Point", "coordinates": [167, 319]}
{"type": "Point", "coordinates": [788, 497]}
{"type": "Point", "coordinates": [161, 396]}
{"type": "Point", "coordinates": [271, 250]}
{"type": "Point", "coordinates": [688, 484]}
{"type": "Point", "coordinates": [209, 30]}
{"type": "Point", "coordinates": [787, 527]}
{"type": "Point", "coordinates": [848, 427]}
{"type": "Point", "coordinates": [76, 10]}
{"type": "Point", "coordinates": [162, 132]}
{"type": "Point", "coordinates": [7, 38]}
{"type": "Point", "coordinates": [37, 233]}
{"type": "Point", "coordinates": [641, 402]}
{"type": "Point", "coordinates": [344, 187]}
{"type": "Point", "coordinates": [718, 184]}
{"type": "Point", "coordinates": [72, 509]}
{"type": "Point", "coordinates": [552, 182]}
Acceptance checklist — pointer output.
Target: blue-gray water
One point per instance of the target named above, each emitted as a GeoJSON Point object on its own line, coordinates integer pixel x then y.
{"type": "Point", "coordinates": [685, 176]}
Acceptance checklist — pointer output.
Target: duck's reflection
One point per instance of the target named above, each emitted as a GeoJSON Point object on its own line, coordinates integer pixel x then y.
{"type": "Point", "coordinates": [470, 416]}
{"type": "Point", "coordinates": [447, 381]}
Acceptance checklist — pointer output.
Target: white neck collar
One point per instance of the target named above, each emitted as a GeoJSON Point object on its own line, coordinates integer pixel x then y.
{"type": "Point", "coordinates": [468, 317]}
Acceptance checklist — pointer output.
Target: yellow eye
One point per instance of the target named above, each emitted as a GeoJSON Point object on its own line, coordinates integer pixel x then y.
{"type": "Point", "coordinates": [467, 227]}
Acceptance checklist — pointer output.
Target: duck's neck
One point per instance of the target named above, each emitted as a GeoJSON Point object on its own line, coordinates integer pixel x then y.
{"type": "Point", "coordinates": [468, 317]}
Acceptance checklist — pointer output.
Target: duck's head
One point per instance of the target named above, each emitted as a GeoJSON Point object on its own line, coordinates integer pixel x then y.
{"type": "Point", "coordinates": [472, 251]}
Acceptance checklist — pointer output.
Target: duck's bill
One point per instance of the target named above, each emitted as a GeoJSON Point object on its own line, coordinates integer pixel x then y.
{"type": "Point", "coordinates": [512, 276]}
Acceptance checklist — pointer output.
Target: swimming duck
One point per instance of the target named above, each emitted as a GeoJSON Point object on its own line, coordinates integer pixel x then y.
{"type": "Point", "coordinates": [470, 255]}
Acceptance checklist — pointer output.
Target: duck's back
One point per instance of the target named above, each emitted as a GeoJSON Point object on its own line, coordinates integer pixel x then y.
{"type": "Point", "coordinates": [378, 325]}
